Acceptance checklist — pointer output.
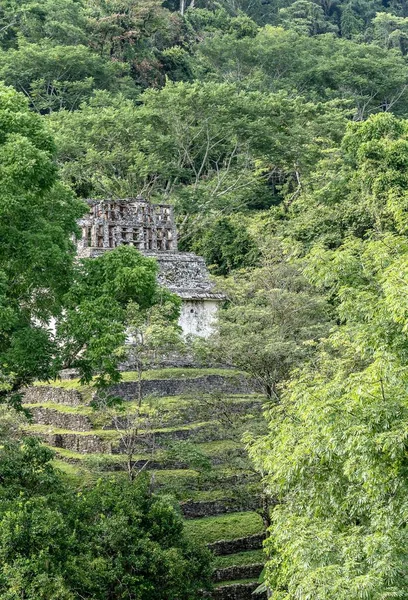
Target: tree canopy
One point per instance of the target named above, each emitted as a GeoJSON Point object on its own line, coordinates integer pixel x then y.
{"type": "Point", "coordinates": [335, 455]}
{"type": "Point", "coordinates": [99, 543]}
{"type": "Point", "coordinates": [278, 130]}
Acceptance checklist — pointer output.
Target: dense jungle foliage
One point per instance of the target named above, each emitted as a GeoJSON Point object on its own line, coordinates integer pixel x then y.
{"type": "Point", "coordinates": [278, 129]}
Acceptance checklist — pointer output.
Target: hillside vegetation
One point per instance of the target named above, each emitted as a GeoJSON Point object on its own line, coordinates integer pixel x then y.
{"type": "Point", "coordinates": [278, 130]}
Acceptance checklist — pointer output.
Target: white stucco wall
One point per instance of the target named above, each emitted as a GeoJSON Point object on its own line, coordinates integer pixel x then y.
{"type": "Point", "coordinates": [198, 317]}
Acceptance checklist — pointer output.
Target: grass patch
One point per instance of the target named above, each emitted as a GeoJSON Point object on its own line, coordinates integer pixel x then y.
{"type": "Point", "coordinates": [224, 527]}
{"type": "Point", "coordinates": [179, 373]}
{"type": "Point", "coordinates": [236, 582]}
{"type": "Point", "coordinates": [170, 476]}
{"type": "Point", "coordinates": [251, 557]}
{"type": "Point", "coordinates": [175, 373]}
{"type": "Point", "coordinates": [62, 408]}
{"type": "Point", "coordinates": [107, 434]}
{"type": "Point", "coordinates": [65, 467]}
{"type": "Point", "coordinates": [218, 447]}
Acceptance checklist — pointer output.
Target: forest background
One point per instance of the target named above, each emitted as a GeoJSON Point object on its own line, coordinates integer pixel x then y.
{"type": "Point", "coordinates": [278, 130]}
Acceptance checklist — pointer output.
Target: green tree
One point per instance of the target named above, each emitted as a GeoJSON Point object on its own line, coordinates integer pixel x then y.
{"type": "Point", "coordinates": [317, 68]}
{"type": "Point", "coordinates": [272, 321]}
{"type": "Point", "coordinates": [39, 282]}
{"type": "Point", "coordinates": [107, 295]}
{"type": "Point", "coordinates": [59, 76]}
{"type": "Point", "coordinates": [226, 244]}
{"type": "Point", "coordinates": [61, 21]}
{"type": "Point", "coordinates": [305, 17]}
{"type": "Point", "coordinates": [38, 217]}
{"type": "Point", "coordinates": [137, 33]}
{"type": "Point", "coordinates": [111, 540]}
{"type": "Point", "coordinates": [390, 31]}
{"type": "Point", "coordinates": [335, 456]}
{"type": "Point", "coordinates": [209, 149]}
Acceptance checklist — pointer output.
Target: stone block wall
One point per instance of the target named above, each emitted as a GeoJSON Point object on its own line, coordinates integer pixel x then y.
{"type": "Point", "coordinates": [238, 591]}
{"type": "Point", "coordinates": [205, 508]}
{"type": "Point", "coordinates": [47, 394]}
{"type": "Point", "coordinates": [61, 420]}
{"type": "Point", "coordinates": [251, 542]}
{"type": "Point", "coordinates": [177, 387]}
{"type": "Point", "coordinates": [238, 572]}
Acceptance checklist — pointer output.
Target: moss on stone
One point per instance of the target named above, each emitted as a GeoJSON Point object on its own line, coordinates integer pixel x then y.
{"type": "Point", "coordinates": [251, 557]}
{"type": "Point", "coordinates": [170, 373]}
{"type": "Point", "coordinates": [236, 582]}
{"type": "Point", "coordinates": [224, 527]}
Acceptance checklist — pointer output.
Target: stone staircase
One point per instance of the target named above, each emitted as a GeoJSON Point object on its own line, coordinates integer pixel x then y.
{"type": "Point", "coordinates": [220, 504]}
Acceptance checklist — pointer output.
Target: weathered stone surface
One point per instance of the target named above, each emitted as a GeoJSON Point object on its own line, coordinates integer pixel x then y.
{"type": "Point", "coordinates": [129, 221]}
{"type": "Point", "coordinates": [251, 542]}
{"type": "Point", "coordinates": [238, 572]}
{"type": "Point", "coordinates": [158, 387]}
{"type": "Point", "coordinates": [205, 508]}
{"type": "Point", "coordinates": [200, 411]}
{"type": "Point", "coordinates": [42, 394]}
{"type": "Point", "coordinates": [237, 591]}
{"type": "Point", "coordinates": [67, 374]}
{"type": "Point", "coordinates": [61, 420]}
{"type": "Point", "coordinates": [95, 443]}
{"type": "Point", "coordinates": [177, 387]}
{"type": "Point", "coordinates": [86, 444]}
{"type": "Point", "coordinates": [176, 434]}
{"type": "Point", "coordinates": [150, 228]}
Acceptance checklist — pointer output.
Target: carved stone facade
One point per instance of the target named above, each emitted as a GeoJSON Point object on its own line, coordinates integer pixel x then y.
{"type": "Point", "coordinates": [151, 229]}
{"type": "Point", "coordinates": [133, 222]}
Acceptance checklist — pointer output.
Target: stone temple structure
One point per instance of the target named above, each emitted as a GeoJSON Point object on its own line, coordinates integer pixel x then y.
{"type": "Point", "coordinates": [151, 229]}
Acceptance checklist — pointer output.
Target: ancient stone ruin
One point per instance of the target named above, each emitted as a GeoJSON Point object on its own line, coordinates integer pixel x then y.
{"type": "Point", "coordinates": [151, 229]}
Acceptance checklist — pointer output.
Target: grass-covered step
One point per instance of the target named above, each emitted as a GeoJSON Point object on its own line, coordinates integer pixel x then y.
{"type": "Point", "coordinates": [250, 557]}
{"type": "Point", "coordinates": [73, 420]}
{"type": "Point", "coordinates": [117, 462]}
{"type": "Point", "coordinates": [217, 484]}
{"type": "Point", "coordinates": [166, 373]}
{"type": "Point", "coordinates": [174, 412]}
{"type": "Point", "coordinates": [95, 441]}
{"type": "Point", "coordinates": [237, 572]}
{"type": "Point", "coordinates": [166, 382]}
{"type": "Point", "coordinates": [55, 395]}
{"type": "Point", "coordinates": [111, 441]}
{"type": "Point", "coordinates": [180, 373]}
{"type": "Point", "coordinates": [195, 509]}
{"type": "Point", "coordinates": [232, 546]}
{"type": "Point", "coordinates": [209, 530]}
{"type": "Point", "coordinates": [237, 590]}
{"type": "Point", "coordinates": [181, 410]}
{"type": "Point", "coordinates": [128, 390]}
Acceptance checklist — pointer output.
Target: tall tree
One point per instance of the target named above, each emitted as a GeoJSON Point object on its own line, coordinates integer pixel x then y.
{"type": "Point", "coordinates": [40, 283]}
{"type": "Point", "coordinates": [335, 456]}
{"type": "Point", "coordinates": [38, 219]}
{"type": "Point", "coordinates": [271, 323]}
{"type": "Point", "coordinates": [112, 540]}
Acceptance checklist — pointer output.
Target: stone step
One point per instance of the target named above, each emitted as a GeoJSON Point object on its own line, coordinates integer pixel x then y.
{"type": "Point", "coordinates": [119, 465]}
{"type": "Point", "coordinates": [87, 442]}
{"type": "Point", "coordinates": [193, 509]}
{"type": "Point", "coordinates": [69, 418]}
{"type": "Point", "coordinates": [237, 591]}
{"type": "Point", "coordinates": [128, 390]}
{"type": "Point", "coordinates": [197, 410]}
{"type": "Point", "coordinates": [74, 421]}
{"type": "Point", "coordinates": [41, 394]}
{"type": "Point", "coordinates": [238, 572]}
{"type": "Point", "coordinates": [250, 542]}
